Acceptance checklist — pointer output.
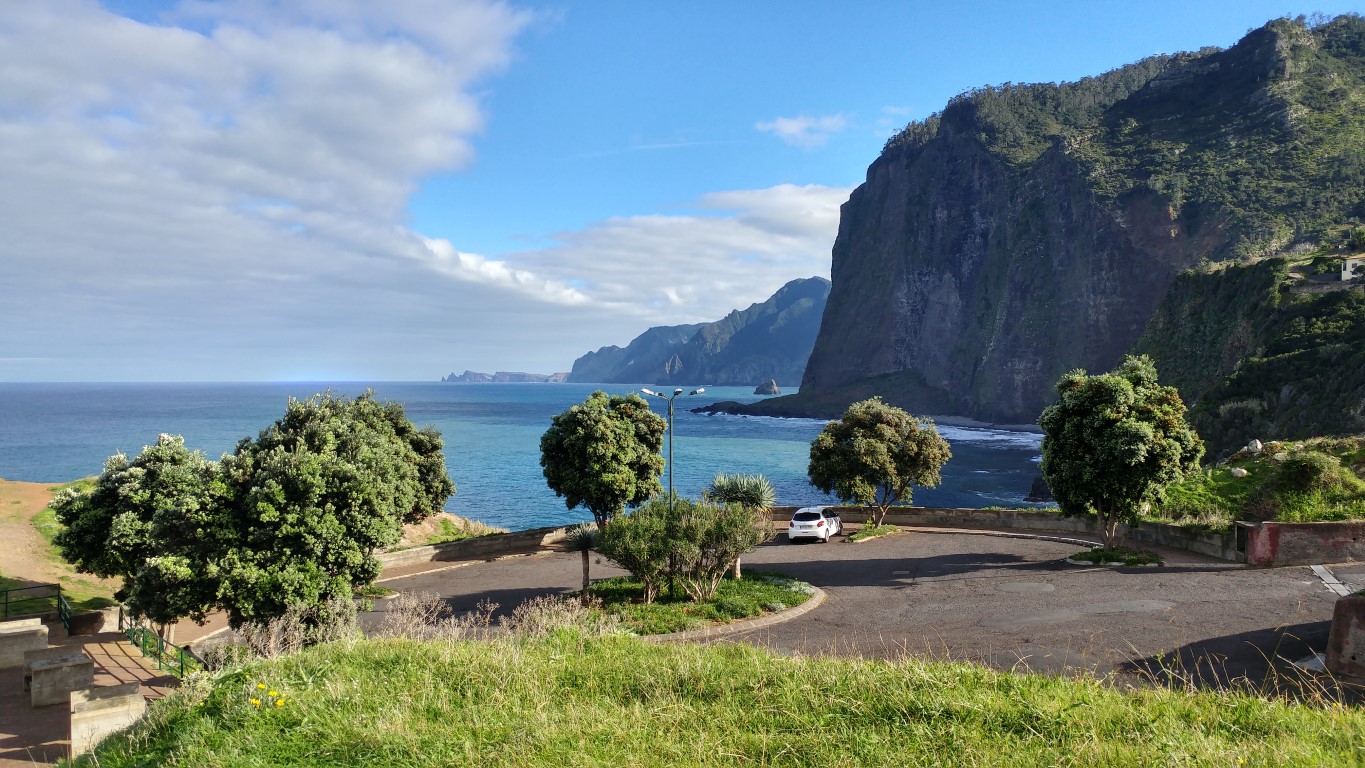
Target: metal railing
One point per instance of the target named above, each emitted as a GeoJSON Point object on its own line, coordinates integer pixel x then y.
{"type": "Point", "coordinates": [34, 601]}
{"type": "Point", "coordinates": [169, 656]}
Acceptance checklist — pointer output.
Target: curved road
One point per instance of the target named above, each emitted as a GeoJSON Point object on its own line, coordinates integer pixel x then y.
{"type": "Point", "coordinates": [1008, 602]}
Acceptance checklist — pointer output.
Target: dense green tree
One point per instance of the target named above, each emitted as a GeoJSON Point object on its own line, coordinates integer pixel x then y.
{"type": "Point", "coordinates": [317, 493]}
{"type": "Point", "coordinates": [152, 522]}
{"type": "Point", "coordinates": [875, 455]}
{"type": "Point", "coordinates": [1113, 441]}
{"type": "Point", "coordinates": [603, 454]}
{"type": "Point", "coordinates": [290, 520]}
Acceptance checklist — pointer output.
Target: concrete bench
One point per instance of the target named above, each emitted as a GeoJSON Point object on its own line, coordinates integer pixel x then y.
{"type": "Point", "coordinates": [18, 637]}
{"type": "Point", "coordinates": [99, 712]}
{"type": "Point", "coordinates": [53, 673]}
{"type": "Point", "coordinates": [46, 654]}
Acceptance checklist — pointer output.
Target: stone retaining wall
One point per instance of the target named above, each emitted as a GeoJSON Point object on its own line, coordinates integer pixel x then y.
{"type": "Point", "coordinates": [1273, 543]}
{"type": "Point", "coordinates": [479, 547]}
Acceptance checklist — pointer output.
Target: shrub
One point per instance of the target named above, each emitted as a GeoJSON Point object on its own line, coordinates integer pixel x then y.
{"type": "Point", "coordinates": [639, 542]}
{"type": "Point", "coordinates": [694, 542]}
{"type": "Point", "coordinates": [1313, 471]}
{"type": "Point", "coordinates": [1121, 555]}
{"type": "Point", "coordinates": [708, 538]}
{"type": "Point", "coordinates": [300, 625]}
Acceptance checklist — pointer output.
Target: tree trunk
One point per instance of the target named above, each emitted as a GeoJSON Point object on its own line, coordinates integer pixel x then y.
{"type": "Point", "coordinates": [737, 571]}
{"type": "Point", "coordinates": [586, 581]}
{"type": "Point", "coordinates": [1109, 528]}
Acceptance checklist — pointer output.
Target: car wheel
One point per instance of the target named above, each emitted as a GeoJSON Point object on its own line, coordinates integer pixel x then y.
{"type": "Point", "coordinates": [825, 539]}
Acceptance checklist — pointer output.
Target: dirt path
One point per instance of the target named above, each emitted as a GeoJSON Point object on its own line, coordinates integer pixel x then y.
{"type": "Point", "coordinates": [23, 551]}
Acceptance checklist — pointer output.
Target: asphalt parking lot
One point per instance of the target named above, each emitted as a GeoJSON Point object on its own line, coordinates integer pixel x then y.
{"type": "Point", "coordinates": [1004, 601]}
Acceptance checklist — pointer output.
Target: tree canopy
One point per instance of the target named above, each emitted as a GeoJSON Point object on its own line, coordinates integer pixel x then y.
{"type": "Point", "coordinates": [1113, 441]}
{"type": "Point", "coordinates": [152, 522]}
{"type": "Point", "coordinates": [291, 518]}
{"type": "Point", "coordinates": [875, 455]}
{"type": "Point", "coordinates": [603, 454]}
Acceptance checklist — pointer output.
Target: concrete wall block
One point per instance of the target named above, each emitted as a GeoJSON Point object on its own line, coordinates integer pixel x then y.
{"type": "Point", "coordinates": [53, 680]}
{"type": "Point", "coordinates": [495, 545]}
{"type": "Point", "coordinates": [1346, 643]}
{"type": "Point", "coordinates": [95, 622]}
{"type": "Point", "coordinates": [100, 712]}
{"type": "Point", "coordinates": [1272, 543]}
{"type": "Point", "coordinates": [18, 637]}
{"type": "Point", "coordinates": [47, 654]}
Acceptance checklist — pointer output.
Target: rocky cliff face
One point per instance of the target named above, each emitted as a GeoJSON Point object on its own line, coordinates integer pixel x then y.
{"type": "Point", "coordinates": [640, 362]}
{"type": "Point", "coordinates": [770, 340]}
{"type": "Point", "coordinates": [1029, 230]}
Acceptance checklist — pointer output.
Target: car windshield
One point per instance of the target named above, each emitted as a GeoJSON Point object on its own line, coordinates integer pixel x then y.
{"type": "Point", "coordinates": [805, 517]}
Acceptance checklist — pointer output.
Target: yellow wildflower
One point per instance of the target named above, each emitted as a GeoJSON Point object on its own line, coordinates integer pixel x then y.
{"type": "Point", "coordinates": [260, 686]}
{"type": "Point", "coordinates": [256, 703]}
{"type": "Point", "coordinates": [274, 693]}
{"type": "Point", "coordinates": [279, 702]}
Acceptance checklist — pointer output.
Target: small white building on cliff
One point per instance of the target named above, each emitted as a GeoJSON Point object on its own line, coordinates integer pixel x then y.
{"type": "Point", "coordinates": [1353, 268]}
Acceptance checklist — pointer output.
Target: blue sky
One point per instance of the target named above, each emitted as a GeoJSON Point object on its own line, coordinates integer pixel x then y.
{"type": "Point", "coordinates": [257, 190]}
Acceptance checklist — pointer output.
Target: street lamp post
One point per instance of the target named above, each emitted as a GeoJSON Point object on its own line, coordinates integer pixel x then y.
{"type": "Point", "coordinates": [670, 399]}
{"type": "Point", "coordinates": [672, 500]}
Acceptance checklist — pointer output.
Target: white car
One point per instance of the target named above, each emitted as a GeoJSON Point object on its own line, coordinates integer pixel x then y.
{"type": "Point", "coordinates": [814, 523]}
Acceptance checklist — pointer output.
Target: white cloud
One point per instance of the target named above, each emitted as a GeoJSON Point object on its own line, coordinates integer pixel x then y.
{"type": "Point", "coordinates": [804, 131]}
{"type": "Point", "coordinates": [732, 249]}
{"type": "Point", "coordinates": [223, 196]}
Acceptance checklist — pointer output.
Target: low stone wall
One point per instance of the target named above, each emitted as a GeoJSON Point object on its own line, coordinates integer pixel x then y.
{"type": "Point", "coordinates": [99, 712]}
{"type": "Point", "coordinates": [477, 548]}
{"type": "Point", "coordinates": [1220, 545]}
{"type": "Point", "coordinates": [95, 622]}
{"type": "Point", "coordinates": [1212, 544]}
{"type": "Point", "coordinates": [1273, 543]}
{"type": "Point", "coordinates": [20, 636]}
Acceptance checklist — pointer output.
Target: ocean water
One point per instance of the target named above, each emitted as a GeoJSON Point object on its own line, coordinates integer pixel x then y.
{"type": "Point", "coordinates": [60, 432]}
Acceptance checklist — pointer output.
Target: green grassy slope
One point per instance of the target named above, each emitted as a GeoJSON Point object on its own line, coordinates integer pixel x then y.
{"type": "Point", "coordinates": [569, 701]}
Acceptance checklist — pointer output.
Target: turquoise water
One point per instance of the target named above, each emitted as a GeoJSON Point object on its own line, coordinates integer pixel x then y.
{"type": "Point", "coordinates": [59, 432]}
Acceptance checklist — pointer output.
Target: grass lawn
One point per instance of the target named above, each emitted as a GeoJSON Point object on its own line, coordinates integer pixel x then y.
{"type": "Point", "coordinates": [572, 700]}
{"type": "Point", "coordinates": [754, 594]}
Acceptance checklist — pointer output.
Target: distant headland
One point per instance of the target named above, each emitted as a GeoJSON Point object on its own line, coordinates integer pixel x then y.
{"type": "Point", "coordinates": [506, 377]}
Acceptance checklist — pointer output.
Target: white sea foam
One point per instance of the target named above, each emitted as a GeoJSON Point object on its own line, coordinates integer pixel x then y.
{"type": "Point", "coordinates": [999, 437]}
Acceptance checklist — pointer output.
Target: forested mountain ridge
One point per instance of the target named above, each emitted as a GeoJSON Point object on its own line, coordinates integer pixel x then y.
{"type": "Point", "coordinates": [769, 340]}
{"type": "Point", "coordinates": [1030, 229]}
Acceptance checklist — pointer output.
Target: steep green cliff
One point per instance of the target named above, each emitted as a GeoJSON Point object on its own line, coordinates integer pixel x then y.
{"type": "Point", "coordinates": [1031, 229]}
{"type": "Point", "coordinates": [1257, 356]}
